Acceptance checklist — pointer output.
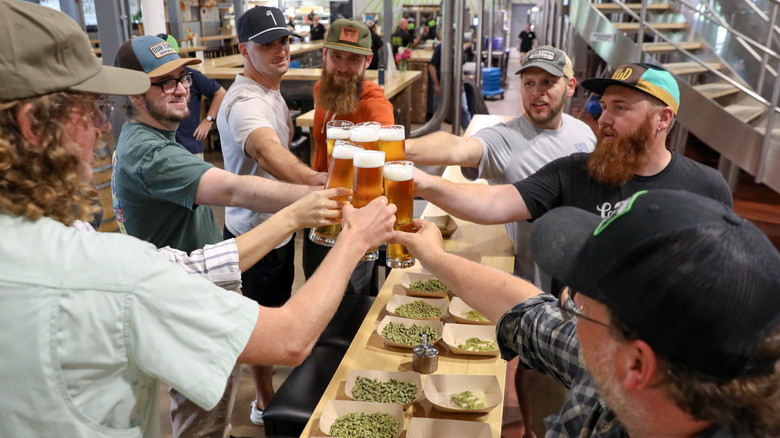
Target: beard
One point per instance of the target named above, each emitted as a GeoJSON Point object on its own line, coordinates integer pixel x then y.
{"type": "Point", "coordinates": [554, 110]}
{"type": "Point", "coordinates": [161, 112]}
{"type": "Point", "coordinates": [615, 160]}
{"type": "Point", "coordinates": [339, 96]}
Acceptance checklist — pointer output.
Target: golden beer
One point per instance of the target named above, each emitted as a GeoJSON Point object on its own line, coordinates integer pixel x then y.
{"type": "Point", "coordinates": [399, 189]}
{"type": "Point", "coordinates": [391, 141]}
{"type": "Point", "coordinates": [340, 174]}
{"type": "Point", "coordinates": [366, 135]}
{"type": "Point", "coordinates": [368, 183]}
{"type": "Point", "coordinates": [336, 130]}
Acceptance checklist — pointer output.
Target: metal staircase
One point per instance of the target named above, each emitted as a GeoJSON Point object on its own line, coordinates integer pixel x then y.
{"type": "Point", "coordinates": [728, 80]}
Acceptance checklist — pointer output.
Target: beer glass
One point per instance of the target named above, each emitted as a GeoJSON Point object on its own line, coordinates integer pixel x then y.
{"type": "Point", "coordinates": [399, 189]}
{"type": "Point", "coordinates": [336, 130]}
{"type": "Point", "coordinates": [366, 134]}
{"type": "Point", "coordinates": [368, 183]}
{"type": "Point", "coordinates": [391, 141]}
{"type": "Point", "coordinates": [340, 174]}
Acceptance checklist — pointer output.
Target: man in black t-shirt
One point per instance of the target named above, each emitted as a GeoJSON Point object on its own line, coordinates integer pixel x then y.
{"type": "Point", "coordinates": [317, 31]}
{"type": "Point", "coordinates": [639, 104]}
{"type": "Point", "coordinates": [526, 41]}
{"type": "Point", "coordinates": [403, 37]}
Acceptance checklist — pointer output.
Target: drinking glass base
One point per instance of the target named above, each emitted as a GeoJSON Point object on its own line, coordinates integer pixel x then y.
{"type": "Point", "coordinates": [370, 256]}
{"type": "Point", "coordinates": [391, 263]}
{"type": "Point", "coordinates": [320, 240]}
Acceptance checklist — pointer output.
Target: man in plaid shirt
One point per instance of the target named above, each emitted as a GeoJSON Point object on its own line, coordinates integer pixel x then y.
{"type": "Point", "coordinates": [674, 329]}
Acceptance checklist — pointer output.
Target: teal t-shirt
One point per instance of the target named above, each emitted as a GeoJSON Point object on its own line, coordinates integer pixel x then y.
{"type": "Point", "coordinates": [154, 181]}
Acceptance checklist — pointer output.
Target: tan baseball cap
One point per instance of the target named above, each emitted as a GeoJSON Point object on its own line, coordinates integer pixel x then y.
{"type": "Point", "coordinates": [45, 51]}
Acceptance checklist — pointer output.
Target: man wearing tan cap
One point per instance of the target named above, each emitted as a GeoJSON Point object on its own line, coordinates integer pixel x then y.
{"type": "Point", "coordinates": [93, 322]}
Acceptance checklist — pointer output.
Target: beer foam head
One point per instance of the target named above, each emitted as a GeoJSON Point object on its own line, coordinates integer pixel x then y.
{"type": "Point", "coordinates": [397, 133]}
{"type": "Point", "coordinates": [397, 171]}
{"type": "Point", "coordinates": [369, 159]}
{"type": "Point", "coordinates": [338, 132]}
{"type": "Point", "coordinates": [365, 133]}
{"type": "Point", "coordinates": [345, 151]}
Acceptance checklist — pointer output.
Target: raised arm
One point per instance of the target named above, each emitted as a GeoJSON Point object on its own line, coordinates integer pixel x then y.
{"type": "Point", "coordinates": [219, 187]}
{"type": "Point", "coordinates": [489, 291]}
{"type": "Point", "coordinates": [443, 148]}
{"type": "Point", "coordinates": [287, 334]}
{"type": "Point", "coordinates": [478, 203]}
{"type": "Point", "coordinates": [264, 145]}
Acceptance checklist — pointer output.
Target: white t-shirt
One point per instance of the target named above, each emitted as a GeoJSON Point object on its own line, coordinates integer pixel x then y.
{"type": "Point", "coordinates": [514, 150]}
{"type": "Point", "coordinates": [248, 106]}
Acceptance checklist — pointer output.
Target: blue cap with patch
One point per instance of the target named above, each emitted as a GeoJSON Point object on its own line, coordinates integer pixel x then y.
{"type": "Point", "coordinates": [151, 55]}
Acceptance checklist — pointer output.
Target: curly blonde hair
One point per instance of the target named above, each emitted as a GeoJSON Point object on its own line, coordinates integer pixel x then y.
{"type": "Point", "coordinates": [43, 179]}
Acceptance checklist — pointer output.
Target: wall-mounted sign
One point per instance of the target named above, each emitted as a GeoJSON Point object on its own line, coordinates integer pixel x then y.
{"type": "Point", "coordinates": [602, 37]}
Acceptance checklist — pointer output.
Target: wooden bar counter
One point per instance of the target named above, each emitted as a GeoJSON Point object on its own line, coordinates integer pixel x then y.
{"type": "Point", "coordinates": [489, 245]}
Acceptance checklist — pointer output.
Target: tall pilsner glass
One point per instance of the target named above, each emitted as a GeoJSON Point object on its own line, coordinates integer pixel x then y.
{"type": "Point", "coordinates": [368, 183]}
{"type": "Point", "coordinates": [391, 141]}
{"type": "Point", "coordinates": [399, 189]}
{"type": "Point", "coordinates": [366, 134]}
{"type": "Point", "coordinates": [341, 173]}
{"type": "Point", "coordinates": [336, 130]}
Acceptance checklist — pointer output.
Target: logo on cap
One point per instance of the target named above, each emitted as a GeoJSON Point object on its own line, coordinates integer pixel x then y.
{"type": "Point", "coordinates": [161, 49]}
{"type": "Point", "coordinates": [622, 74]}
{"type": "Point", "coordinates": [543, 54]}
{"type": "Point", "coordinates": [349, 34]}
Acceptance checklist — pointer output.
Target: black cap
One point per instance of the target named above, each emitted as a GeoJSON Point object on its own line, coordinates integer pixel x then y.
{"type": "Point", "coordinates": [695, 281]}
{"type": "Point", "coordinates": [262, 25]}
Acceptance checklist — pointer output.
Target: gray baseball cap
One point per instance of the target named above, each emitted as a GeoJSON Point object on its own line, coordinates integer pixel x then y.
{"type": "Point", "coordinates": [549, 59]}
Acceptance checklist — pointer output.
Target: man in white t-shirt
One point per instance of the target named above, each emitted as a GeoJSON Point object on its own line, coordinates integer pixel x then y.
{"type": "Point", "coordinates": [511, 151]}
{"type": "Point", "coordinates": [255, 132]}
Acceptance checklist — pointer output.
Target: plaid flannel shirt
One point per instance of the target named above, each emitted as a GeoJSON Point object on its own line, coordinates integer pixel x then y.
{"type": "Point", "coordinates": [535, 331]}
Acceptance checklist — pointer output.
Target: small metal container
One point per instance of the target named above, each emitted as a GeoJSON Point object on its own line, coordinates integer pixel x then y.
{"type": "Point", "coordinates": [425, 357]}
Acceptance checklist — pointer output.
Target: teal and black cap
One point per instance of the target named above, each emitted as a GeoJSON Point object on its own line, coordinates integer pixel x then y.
{"type": "Point", "coordinates": [695, 281]}
{"type": "Point", "coordinates": [647, 78]}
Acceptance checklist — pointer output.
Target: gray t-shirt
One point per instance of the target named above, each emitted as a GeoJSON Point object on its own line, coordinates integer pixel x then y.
{"type": "Point", "coordinates": [248, 106]}
{"type": "Point", "coordinates": [514, 150]}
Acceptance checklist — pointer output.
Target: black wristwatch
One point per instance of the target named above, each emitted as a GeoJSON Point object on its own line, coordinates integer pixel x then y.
{"type": "Point", "coordinates": [209, 118]}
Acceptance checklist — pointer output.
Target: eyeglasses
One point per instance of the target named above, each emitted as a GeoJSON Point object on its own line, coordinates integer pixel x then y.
{"type": "Point", "coordinates": [101, 116]}
{"type": "Point", "coordinates": [571, 311]}
{"type": "Point", "coordinates": [169, 86]}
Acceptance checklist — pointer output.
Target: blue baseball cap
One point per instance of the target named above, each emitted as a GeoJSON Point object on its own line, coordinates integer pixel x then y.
{"type": "Point", "coordinates": [151, 55]}
{"type": "Point", "coordinates": [647, 78]}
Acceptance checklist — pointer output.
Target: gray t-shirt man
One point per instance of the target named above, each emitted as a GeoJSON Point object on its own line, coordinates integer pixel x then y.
{"type": "Point", "coordinates": [514, 150]}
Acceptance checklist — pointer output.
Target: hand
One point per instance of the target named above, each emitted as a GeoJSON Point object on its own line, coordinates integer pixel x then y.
{"type": "Point", "coordinates": [426, 242]}
{"type": "Point", "coordinates": [318, 208]}
{"type": "Point", "coordinates": [371, 225]}
{"type": "Point", "coordinates": [421, 181]}
{"type": "Point", "coordinates": [318, 179]}
{"type": "Point", "coordinates": [437, 89]}
{"type": "Point", "coordinates": [202, 130]}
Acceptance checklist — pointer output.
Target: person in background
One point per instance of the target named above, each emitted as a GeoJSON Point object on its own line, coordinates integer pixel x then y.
{"type": "Point", "coordinates": [193, 131]}
{"type": "Point", "coordinates": [92, 322]}
{"type": "Point", "coordinates": [343, 93]}
{"type": "Point", "coordinates": [403, 37]}
{"type": "Point", "coordinates": [434, 73]}
{"type": "Point", "coordinates": [317, 31]}
{"type": "Point", "coordinates": [291, 23]}
{"type": "Point", "coordinates": [255, 132]}
{"type": "Point", "coordinates": [512, 151]}
{"type": "Point", "coordinates": [526, 41]}
{"type": "Point", "coordinates": [376, 45]}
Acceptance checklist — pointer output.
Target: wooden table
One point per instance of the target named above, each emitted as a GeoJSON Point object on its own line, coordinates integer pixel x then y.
{"type": "Point", "coordinates": [226, 67]}
{"type": "Point", "coordinates": [489, 245]}
{"type": "Point", "coordinates": [187, 50]}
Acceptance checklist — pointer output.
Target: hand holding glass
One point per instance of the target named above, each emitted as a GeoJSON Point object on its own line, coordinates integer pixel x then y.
{"type": "Point", "coordinates": [399, 189]}
{"type": "Point", "coordinates": [368, 183]}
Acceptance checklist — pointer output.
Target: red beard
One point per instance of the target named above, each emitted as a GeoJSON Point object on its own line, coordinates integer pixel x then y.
{"type": "Point", "coordinates": [615, 160]}
{"type": "Point", "coordinates": [339, 96]}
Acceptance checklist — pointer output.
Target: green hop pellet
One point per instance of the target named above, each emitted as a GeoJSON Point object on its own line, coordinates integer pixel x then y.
{"type": "Point", "coordinates": [392, 391]}
{"type": "Point", "coordinates": [477, 344]}
{"type": "Point", "coordinates": [432, 285]}
{"type": "Point", "coordinates": [442, 228]}
{"type": "Point", "coordinates": [418, 309]}
{"type": "Point", "coordinates": [467, 400]}
{"type": "Point", "coordinates": [473, 315]}
{"type": "Point", "coordinates": [399, 333]}
{"type": "Point", "coordinates": [360, 425]}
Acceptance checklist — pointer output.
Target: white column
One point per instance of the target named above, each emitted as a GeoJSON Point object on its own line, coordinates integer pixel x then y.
{"type": "Point", "coordinates": [153, 12]}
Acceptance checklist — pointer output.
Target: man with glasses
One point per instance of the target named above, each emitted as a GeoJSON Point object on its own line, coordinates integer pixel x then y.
{"type": "Point", "coordinates": [674, 329]}
{"type": "Point", "coordinates": [163, 194]}
{"type": "Point", "coordinates": [93, 322]}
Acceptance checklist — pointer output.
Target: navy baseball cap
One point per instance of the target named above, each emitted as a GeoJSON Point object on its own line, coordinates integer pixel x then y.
{"type": "Point", "coordinates": [151, 55]}
{"type": "Point", "coordinates": [262, 25]}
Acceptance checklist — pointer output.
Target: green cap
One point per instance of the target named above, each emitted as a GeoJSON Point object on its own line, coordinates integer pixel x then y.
{"type": "Point", "coordinates": [45, 51]}
{"type": "Point", "coordinates": [350, 36]}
